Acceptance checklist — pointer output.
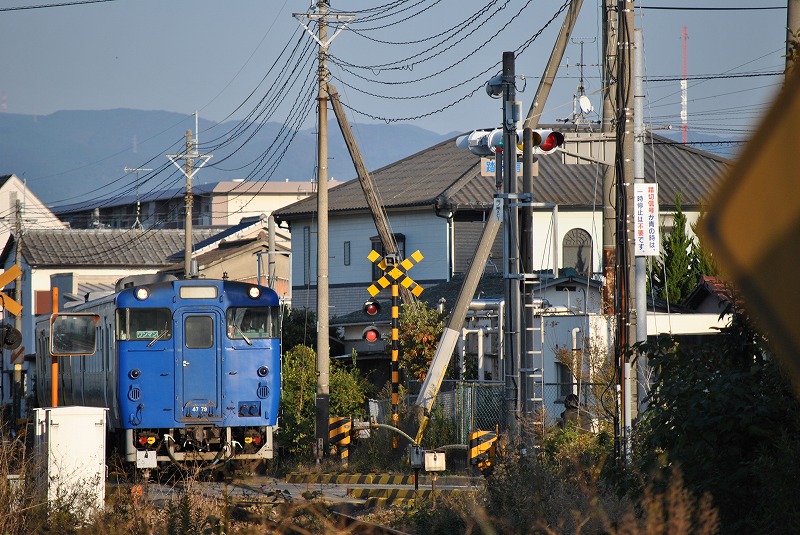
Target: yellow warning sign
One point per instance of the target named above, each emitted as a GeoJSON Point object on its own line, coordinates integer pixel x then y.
{"type": "Point", "coordinates": [753, 223]}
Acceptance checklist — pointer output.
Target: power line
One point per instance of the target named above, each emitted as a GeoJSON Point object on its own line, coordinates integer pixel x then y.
{"type": "Point", "coordinates": [60, 4]}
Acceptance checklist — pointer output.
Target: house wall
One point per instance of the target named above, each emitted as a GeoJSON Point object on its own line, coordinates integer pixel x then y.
{"type": "Point", "coordinates": [35, 215]}
{"type": "Point", "coordinates": [350, 277]}
{"type": "Point", "coordinates": [230, 209]}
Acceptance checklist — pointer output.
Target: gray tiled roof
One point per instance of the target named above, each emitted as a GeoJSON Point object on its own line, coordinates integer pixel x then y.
{"type": "Point", "coordinates": [449, 177]}
{"type": "Point", "coordinates": [114, 247]}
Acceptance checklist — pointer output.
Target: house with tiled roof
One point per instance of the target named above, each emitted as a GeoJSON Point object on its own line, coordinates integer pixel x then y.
{"type": "Point", "coordinates": [437, 201]}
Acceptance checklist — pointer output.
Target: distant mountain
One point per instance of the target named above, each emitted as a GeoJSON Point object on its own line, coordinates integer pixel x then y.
{"type": "Point", "coordinates": [70, 155]}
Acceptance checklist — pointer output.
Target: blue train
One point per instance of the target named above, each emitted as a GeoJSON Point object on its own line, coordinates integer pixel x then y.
{"type": "Point", "coordinates": [190, 370]}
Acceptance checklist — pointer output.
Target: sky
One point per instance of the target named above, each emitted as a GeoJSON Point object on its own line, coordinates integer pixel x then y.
{"type": "Point", "coordinates": [214, 57]}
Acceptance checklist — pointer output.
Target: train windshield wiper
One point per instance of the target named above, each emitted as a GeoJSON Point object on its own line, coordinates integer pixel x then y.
{"type": "Point", "coordinates": [246, 339]}
{"type": "Point", "coordinates": [160, 335]}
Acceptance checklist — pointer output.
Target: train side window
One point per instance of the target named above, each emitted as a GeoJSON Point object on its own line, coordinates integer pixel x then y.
{"type": "Point", "coordinates": [144, 324]}
{"type": "Point", "coordinates": [253, 322]}
{"type": "Point", "coordinates": [198, 332]}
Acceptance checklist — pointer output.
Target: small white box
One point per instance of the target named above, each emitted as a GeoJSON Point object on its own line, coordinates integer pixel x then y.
{"type": "Point", "coordinates": [434, 461]}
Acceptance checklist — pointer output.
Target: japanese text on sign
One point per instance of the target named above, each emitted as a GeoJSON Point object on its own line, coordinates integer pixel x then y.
{"type": "Point", "coordinates": [646, 231]}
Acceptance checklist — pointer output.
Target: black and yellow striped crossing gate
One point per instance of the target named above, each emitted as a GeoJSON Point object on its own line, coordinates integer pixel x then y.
{"type": "Point", "coordinates": [339, 431]}
{"type": "Point", "coordinates": [482, 449]}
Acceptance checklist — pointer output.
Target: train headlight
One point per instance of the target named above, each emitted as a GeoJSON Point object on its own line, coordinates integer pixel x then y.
{"type": "Point", "coordinates": [254, 292]}
{"type": "Point", "coordinates": [151, 440]}
{"type": "Point", "coordinates": [262, 371]}
{"type": "Point", "coordinates": [142, 294]}
{"type": "Point", "coordinates": [134, 373]}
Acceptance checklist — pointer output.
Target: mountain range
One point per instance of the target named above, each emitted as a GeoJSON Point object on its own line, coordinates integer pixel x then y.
{"type": "Point", "coordinates": [70, 156]}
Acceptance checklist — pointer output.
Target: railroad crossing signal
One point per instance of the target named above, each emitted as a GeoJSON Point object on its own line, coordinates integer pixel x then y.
{"type": "Point", "coordinates": [8, 303]}
{"type": "Point", "coordinates": [391, 267]}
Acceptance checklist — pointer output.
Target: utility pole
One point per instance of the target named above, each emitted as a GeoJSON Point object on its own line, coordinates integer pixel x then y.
{"type": "Point", "coordinates": [608, 126]}
{"type": "Point", "coordinates": [626, 318]}
{"type": "Point", "coordinates": [322, 405]}
{"type": "Point", "coordinates": [138, 222]}
{"type": "Point", "coordinates": [189, 156]}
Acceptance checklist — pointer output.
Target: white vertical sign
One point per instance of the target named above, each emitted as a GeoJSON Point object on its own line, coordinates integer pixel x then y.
{"type": "Point", "coordinates": [647, 235]}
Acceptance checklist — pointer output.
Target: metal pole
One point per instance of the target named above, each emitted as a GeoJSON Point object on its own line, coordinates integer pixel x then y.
{"type": "Point", "coordinates": [322, 406]}
{"type": "Point", "coordinates": [272, 277]}
{"type": "Point", "coordinates": [511, 241]}
{"type": "Point", "coordinates": [642, 367]}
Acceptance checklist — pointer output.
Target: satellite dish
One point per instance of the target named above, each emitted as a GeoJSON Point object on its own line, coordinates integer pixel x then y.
{"type": "Point", "coordinates": [585, 104]}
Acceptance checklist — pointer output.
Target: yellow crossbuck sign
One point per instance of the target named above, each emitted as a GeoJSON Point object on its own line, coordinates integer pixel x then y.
{"type": "Point", "coordinates": [400, 275]}
{"type": "Point", "coordinates": [5, 301]}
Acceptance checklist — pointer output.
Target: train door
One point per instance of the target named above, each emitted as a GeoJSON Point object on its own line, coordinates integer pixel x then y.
{"type": "Point", "coordinates": [198, 367]}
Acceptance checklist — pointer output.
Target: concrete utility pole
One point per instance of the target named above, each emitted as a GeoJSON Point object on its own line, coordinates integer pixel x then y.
{"type": "Point", "coordinates": [322, 406]}
{"type": "Point", "coordinates": [642, 366]}
{"type": "Point", "coordinates": [323, 346]}
{"type": "Point", "coordinates": [626, 324]}
{"type": "Point", "coordinates": [189, 156]}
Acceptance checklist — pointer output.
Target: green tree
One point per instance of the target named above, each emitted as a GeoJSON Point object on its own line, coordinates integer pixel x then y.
{"type": "Point", "coordinates": [672, 276]}
{"type": "Point", "coordinates": [724, 413]}
{"type": "Point", "coordinates": [420, 329]}
{"type": "Point", "coordinates": [348, 394]}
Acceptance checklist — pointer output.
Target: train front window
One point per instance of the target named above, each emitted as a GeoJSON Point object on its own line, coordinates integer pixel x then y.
{"type": "Point", "coordinates": [144, 324]}
{"type": "Point", "coordinates": [246, 323]}
{"type": "Point", "coordinates": [198, 332]}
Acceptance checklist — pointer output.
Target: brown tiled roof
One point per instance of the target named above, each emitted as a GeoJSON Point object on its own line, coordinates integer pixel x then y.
{"type": "Point", "coordinates": [115, 247]}
{"type": "Point", "coordinates": [449, 177]}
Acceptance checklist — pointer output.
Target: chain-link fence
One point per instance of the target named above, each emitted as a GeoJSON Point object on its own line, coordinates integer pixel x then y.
{"type": "Point", "coordinates": [481, 405]}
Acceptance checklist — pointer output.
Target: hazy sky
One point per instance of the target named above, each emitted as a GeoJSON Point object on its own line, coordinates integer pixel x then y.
{"type": "Point", "coordinates": [211, 56]}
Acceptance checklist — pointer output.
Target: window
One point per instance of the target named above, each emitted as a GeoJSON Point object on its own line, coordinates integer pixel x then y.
{"type": "Point", "coordinates": [253, 322]}
{"type": "Point", "coordinates": [565, 380]}
{"type": "Point", "coordinates": [347, 253]}
{"type": "Point", "coordinates": [577, 251]}
{"type": "Point", "coordinates": [198, 332]}
{"type": "Point", "coordinates": [377, 245]}
{"type": "Point", "coordinates": [144, 324]}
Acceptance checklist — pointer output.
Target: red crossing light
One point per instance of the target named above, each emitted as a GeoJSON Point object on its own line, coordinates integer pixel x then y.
{"type": "Point", "coordinates": [371, 334]}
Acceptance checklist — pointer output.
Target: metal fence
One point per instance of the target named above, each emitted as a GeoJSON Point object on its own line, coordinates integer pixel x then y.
{"type": "Point", "coordinates": [481, 405]}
